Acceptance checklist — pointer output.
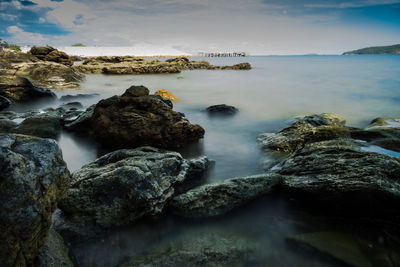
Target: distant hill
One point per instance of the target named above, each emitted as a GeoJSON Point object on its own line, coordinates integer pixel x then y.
{"type": "Point", "coordinates": [391, 49]}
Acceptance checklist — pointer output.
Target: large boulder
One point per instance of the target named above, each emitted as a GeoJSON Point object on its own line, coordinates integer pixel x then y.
{"type": "Point", "coordinates": [21, 89]}
{"type": "Point", "coordinates": [136, 119]}
{"type": "Point", "coordinates": [48, 53]}
{"type": "Point", "coordinates": [220, 198]}
{"type": "Point", "coordinates": [314, 128]}
{"type": "Point", "coordinates": [126, 185]}
{"type": "Point", "coordinates": [199, 249]}
{"type": "Point", "coordinates": [33, 178]}
{"type": "Point", "coordinates": [342, 174]}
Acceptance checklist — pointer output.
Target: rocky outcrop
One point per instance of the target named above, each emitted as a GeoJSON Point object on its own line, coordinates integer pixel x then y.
{"type": "Point", "coordinates": [136, 119]}
{"type": "Point", "coordinates": [126, 185]}
{"type": "Point", "coordinates": [199, 249]}
{"type": "Point", "coordinates": [55, 252]}
{"type": "Point", "coordinates": [21, 89]}
{"type": "Point", "coordinates": [134, 65]}
{"type": "Point", "coordinates": [48, 53]}
{"type": "Point", "coordinates": [220, 198]}
{"type": "Point", "coordinates": [47, 125]}
{"type": "Point", "coordinates": [305, 130]}
{"type": "Point", "coordinates": [221, 109]}
{"type": "Point", "coordinates": [340, 173]}
{"type": "Point", "coordinates": [33, 178]}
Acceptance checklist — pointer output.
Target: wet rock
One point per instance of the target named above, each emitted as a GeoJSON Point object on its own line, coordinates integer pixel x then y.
{"type": "Point", "coordinates": [55, 252]}
{"type": "Point", "coordinates": [342, 176]}
{"type": "Point", "coordinates": [21, 89]}
{"type": "Point", "coordinates": [384, 132]}
{"type": "Point", "coordinates": [221, 109]}
{"type": "Point", "coordinates": [199, 249]}
{"type": "Point", "coordinates": [6, 125]}
{"type": "Point", "coordinates": [133, 121]}
{"type": "Point", "coordinates": [220, 198]}
{"type": "Point", "coordinates": [4, 102]}
{"type": "Point", "coordinates": [72, 106]}
{"type": "Point", "coordinates": [343, 247]}
{"type": "Point", "coordinates": [125, 185]}
{"type": "Point", "coordinates": [42, 125]}
{"type": "Point", "coordinates": [48, 53]}
{"type": "Point", "coordinates": [66, 98]}
{"type": "Point", "coordinates": [33, 178]}
{"type": "Point", "coordinates": [325, 126]}
{"type": "Point", "coordinates": [82, 122]}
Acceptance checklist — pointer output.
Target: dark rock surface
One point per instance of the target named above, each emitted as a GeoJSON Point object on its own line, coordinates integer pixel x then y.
{"type": "Point", "coordinates": [21, 89]}
{"type": "Point", "coordinates": [125, 185]}
{"type": "Point", "coordinates": [217, 199]}
{"type": "Point", "coordinates": [33, 178]}
{"type": "Point", "coordinates": [4, 102]}
{"type": "Point", "coordinates": [135, 119]}
{"type": "Point", "coordinates": [221, 109]}
{"type": "Point", "coordinates": [68, 98]}
{"type": "Point", "coordinates": [48, 53]}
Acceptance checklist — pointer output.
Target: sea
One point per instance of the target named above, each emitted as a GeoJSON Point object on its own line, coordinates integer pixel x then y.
{"type": "Point", "coordinates": [269, 97]}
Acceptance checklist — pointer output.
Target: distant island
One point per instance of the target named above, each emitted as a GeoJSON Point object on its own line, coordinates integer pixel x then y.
{"type": "Point", "coordinates": [391, 49]}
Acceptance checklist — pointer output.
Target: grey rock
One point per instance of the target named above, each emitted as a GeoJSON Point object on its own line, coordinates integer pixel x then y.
{"type": "Point", "coordinates": [221, 109]}
{"type": "Point", "coordinates": [55, 253]}
{"type": "Point", "coordinates": [78, 96]}
{"type": "Point", "coordinates": [33, 178]}
{"type": "Point", "coordinates": [314, 128]}
{"type": "Point", "coordinates": [125, 185]}
{"type": "Point", "coordinates": [82, 122]}
{"type": "Point", "coordinates": [7, 126]}
{"type": "Point", "coordinates": [220, 198]}
{"type": "Point", "coordinates": [341, 174]}
{"type": "Point", "coordinates": [42, 125]}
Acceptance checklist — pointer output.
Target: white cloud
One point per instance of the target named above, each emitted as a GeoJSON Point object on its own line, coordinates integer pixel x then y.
{"type": "Point", "coordinates": [353, 4]}
{"type": "Point", "coordinates": [19, 36]}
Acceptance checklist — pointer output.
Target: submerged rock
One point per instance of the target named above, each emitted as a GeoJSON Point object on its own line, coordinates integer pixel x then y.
{"type": "Point", "coordinates": [42, 125]}
{"type": "Point", "coordinates": [221, 109]}
{"type": "Point", "coordinates": [135, 119]}
{"type": "Point", "coordinates": [343, 247]}
{"type": "Point", "coordinates": [325, 126]}
{"type": "Point", "coordinates": [217, 199]}
{"type": "Point", "coordinates": [199, 249]}
{"type": "Point", "coordinates": [66, 98]}
{"type": "Point", "coordinates": [33, 178]}
{"type": "Point", "coordinates": [55, 252]}
{"type": "Point", "coordinates": [125, 185]}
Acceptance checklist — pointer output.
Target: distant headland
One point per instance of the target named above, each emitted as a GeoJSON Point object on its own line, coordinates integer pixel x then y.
{"type": "Point", "coordinates": [391, 49]}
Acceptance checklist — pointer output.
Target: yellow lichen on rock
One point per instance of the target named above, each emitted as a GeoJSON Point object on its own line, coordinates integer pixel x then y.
{"type": "Point", "coordinates": [167, 95]}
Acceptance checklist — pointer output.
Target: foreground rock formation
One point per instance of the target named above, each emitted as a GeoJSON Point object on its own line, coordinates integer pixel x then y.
{"type": "Point", "coordinates": [135, 119]}
{"type": "Point", "coordinates": [126, 185]}
{"type": "Point", "coordinates": [33, 179]}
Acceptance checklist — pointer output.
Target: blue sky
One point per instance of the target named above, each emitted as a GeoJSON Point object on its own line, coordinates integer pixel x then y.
{"type": "Point", "coordinates": [256, 26]}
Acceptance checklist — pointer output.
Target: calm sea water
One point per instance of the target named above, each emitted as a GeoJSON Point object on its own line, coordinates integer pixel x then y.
{"type": "Point", "coordinates": [277, 89]}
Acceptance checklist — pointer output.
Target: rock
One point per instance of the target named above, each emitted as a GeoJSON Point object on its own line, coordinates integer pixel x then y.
{"type": "Point", "coordinates": [4, 102]}
{"type": "Point", "coordinates": [66, 98]}
{"type": "Point", "coordinates": [125, 185]}
{"type": "Point", "coordinates": [6, 125]}
{"type": "Point", "coordinates": [220, 198]}
{"type": "Point", "coordinates": [82, 122]}
{"type": "Point", "coordinates": [55, 252]}
{"type": "Point", "coordinates": [131, 121]}
{"type": "Point", "coordinates": [199, 249]}
{"type": "Point", "coordinates": [166, 95]}
{"type": "Point", "coordinates": [72, 106]}
{"type": "Point", "coordinates": [221, 109]}
{"type": "Point", "coordinates": [33, 178]}
{"type": "Point", "coordinates": [42, 125]}
{"type": "Point", "coordinates": [53, 75]}
{"type": "Point", "coordinates": [341, 246]}
{"type": "Point", "coordinates": [341, 175]}
{"type": "Point", "coordinates": [21, 89]}
{"type": "Point", "coordinates": [48, 53]}
{"type": "Point", "coordinates": [240, 66]}
{"type": "Point", "coordinates": [305, 130]}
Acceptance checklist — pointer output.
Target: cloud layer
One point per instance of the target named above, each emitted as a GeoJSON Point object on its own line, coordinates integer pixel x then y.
{"type": "Point", "coordinates": [255, 26]}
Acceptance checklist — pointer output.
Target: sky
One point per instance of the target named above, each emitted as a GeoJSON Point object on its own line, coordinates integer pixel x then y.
{"type": "Point", "coordinates": [259, 27]}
